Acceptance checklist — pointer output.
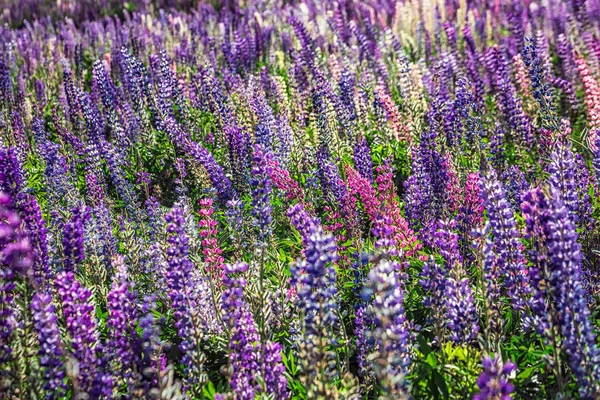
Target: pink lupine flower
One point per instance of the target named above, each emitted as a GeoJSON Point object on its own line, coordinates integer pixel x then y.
{"type": "Point", "coordinates": [592, 98]}
{"type": "Point", "coordinates": [393, 116]}
{"type": "Point", "coordinates": [283, 181]}
{"type": "Point", "coordinates": [208, 232]}
{"type": "Point", "coordinates": [403, 235]}
{"type": "Point", "coordinates": [452, 186]}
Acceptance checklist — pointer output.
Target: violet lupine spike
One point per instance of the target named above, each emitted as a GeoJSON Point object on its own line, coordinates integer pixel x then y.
{"type": "Point", "coordinates": [11, 179]}
{"type": "Point", "coordinates": [568, 293]}
{"type": "Point", "coordinates": [123, 341]}
{"type": "Point", "coordinates": [494, 381]}
{"type": "Point", "coordinates": [516, 184]}
{"type": "Point", "coordinates": [433, 282]}
{"type": "Point", "coordinates": [246, 352]}
{"type": "Point", "coordinates": [426, 187]}
{"type": "Point", "coordinates": [314, 280]}
{"type": "Point", "coordinates": [73, 239]}
{"type": "Point", "coordinates": [210, 247]}
{"type": "Point", "coordinates": [315, 275]}
{"type": "Point", "coordinates": [81, 326]}
{"type": "Point", "coordinates": [35, 229]}
{"type": "Point", "coordinates": [261, 192]}
{"type": "Point", "coordinates": [197, 152]}
{"type": "Point", "coordinates": [50, 350]}
{"type": "Point", "coordinates": [362, 160]}
{"type": "Point", "coordinates": [461, 313]}
{"type": "Point", "coordinates": [178, 276]}
{"type": "Point", "coordinates": [563, 169]}
{"type": "Point", "coordinates": [332, 183]}
{"type": "Point", "coordinates": [391, 332]}
{"type": "Point", "coordinates": [504, 261]}
{"type": "Point", "coordinates": [534, 207]}
{"type": "Point", "coordinates": [15, 259]}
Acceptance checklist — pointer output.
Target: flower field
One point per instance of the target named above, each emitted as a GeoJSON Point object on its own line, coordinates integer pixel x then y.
{"type": "Point", "coordinates": [300, 199]}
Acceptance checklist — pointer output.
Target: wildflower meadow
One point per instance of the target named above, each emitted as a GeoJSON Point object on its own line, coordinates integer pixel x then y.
{"type": "Point", "coordinates": [300, 199]}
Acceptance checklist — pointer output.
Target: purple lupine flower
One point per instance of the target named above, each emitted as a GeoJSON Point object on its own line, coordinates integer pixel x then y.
{"type": "Point", "coordinates": [243, 356]}
{"type": "Point", "coordinates": [244, 353]}
{"type": "Point", "coordinates": [568, 294]}
{"type": "Point", "coordinates": [6, 87]}
{"type": "Point", "coordinates": [534, 207]}
{"type": "Point", "coordinates": [239, 153]}
{"type": "Point", "coordinates": [314, 279]}
{"type": "Point", "coordinates": [275, 379]}
{"type": "Point", "coordinates": [34, 228]}
{"type": "Point", "coordinates": [567, 177]}
{"type": "Point", "coordinates": [178, 275]}
{"type": "Point", "coordinates": [515, 184]}
{"type": "Point", "coordinates": [15, 255]}
{"type": "Point", "coordinates": [362, 160]}
{"type": "Point", "coordinates": [11, 179]}
{"type": "Point", "coordinates": [81, 326]}
{"type": "Point", "coordinates": [315, 275]}
{"type": "Point", "coordinates": [245, 346]}
{"type": "Point", "coordinates": [508, 101]}
{"type": "Point", "coordinates": [123, 342]}
{"type": "Point", "coordinates": [115, 161]}
{"type": "Point", "coordinates": [391, 335]}
{"type": "Point", "coordinates": [261, 190]}
{"type": "Point", "coordinates": [461, 313]}
{"type": "Point", "coordinates": [493, 382]}
{"type": "Point", "coordinates": [426, 187]}
{"type": "Point", "coordinates": [217, 176]}
{"type": "Point", "coordinates": [364, 345]}
{"type": "Point", "coordinates": [332, 183]}
{"type": "Point", "coordinates": [504, 261]}
{"type": "Point", "coordinates": [50, 351]}
{"type": "Point", "coordinates": [434, 285]}
{"type": "Point", "coordinates": [73, 237]}
{"type": "Point", "coordinates": [541, 91]}
{"type": "Point", "coordinates": [266, 121]}
{"type": "Point", "coordinates": [57, 171]}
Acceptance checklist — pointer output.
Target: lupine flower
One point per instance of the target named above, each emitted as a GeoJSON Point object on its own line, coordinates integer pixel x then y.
{"type": "Point", "coordinates": [389, 205]}
{"type": "Point", "coordinates": [73, 237]}
{"type": "Point", "coordinates": [516, 184]}
{"type": "Point", "coordinates": [569, 297]}
{"type": "Point", "coordinates": [493, 382]}
{"type": "Point", "coordinates": [208, 232]}
{"type": "Point", "coordinates": [15, 259]}
{"type": "Point", "coordinates": [261, 190]}
{"type": "Point", "coordinates": [81, 326]}
{"type": "Point", "coordinates": [461, 314]}
{"type": "Point", "coordinates": [124, 345]}
{"type": "Point", "coordinates": [282, 180]}
{"type": "Point", "coordinates": [178, 275]}
{"type": "Point", "coordinates": [592, 98]}
{"type": "Point", "coordinates": [564, 179]}
{"type": "Point", "coordinates": [50, 352]}
{"type": "Point", "coordinates": [391, 332]}
{"type": "Point", "coordinates": [245, 345]}
{"type": "Point", "coordinates": [314, 279]}
{"type": "Point", "coordinates": [504, 262]}
{"type": "Point", "coordinates": [362, 160]}
{"type": "Point", "coordinates": [534, 207]}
